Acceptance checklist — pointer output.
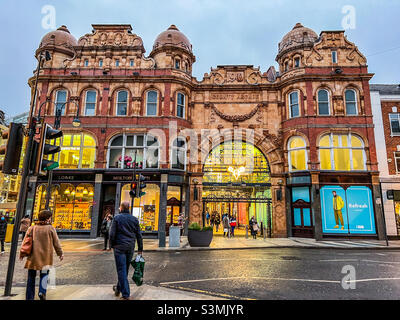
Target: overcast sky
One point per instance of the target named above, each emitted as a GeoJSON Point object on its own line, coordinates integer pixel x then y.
{"type": "Point", "coordinates": [221, 32]}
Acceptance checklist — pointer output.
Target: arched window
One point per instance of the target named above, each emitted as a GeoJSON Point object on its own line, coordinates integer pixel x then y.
{"type": "Point", "coordinates": [297, 154]}
{"type": "Point", "coordinates": [178, 154]}
{"type": "Point", "coordinates": [294, 110]}
{"type": "Point", "coordinates": [78, 151]}
{"type": "Point", "coordinates": [323, 102]}
{"type": "Point", "coordinates": [351, 102]}
{"type": "Point", "coordinates": [180, 105]}
{"type": "Point", "coordinates": [151, 103]}
{"type": "Point", "coordinates": [124, 148]}
{"type": "Point", "coordinates": [61, 100]}
{"type": "Point", "coordinates": [343, 152]}
{"type": "Point", "coordinates": [90, 103]}
{"type": "Point", "coordinates": [122, 103]}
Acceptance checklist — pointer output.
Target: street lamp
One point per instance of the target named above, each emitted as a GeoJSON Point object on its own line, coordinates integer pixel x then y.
{"type": "Point", "coordinates": [76, 122]}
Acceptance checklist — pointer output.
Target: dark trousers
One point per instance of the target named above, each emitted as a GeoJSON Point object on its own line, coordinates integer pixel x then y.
{"type": "Point", "coordinates": [23, 235]}
{"type": "Point", "coordinates": [2, 245]}
{"type": "Point", "coordinates": [107, 240]}
{"type": "Point", "coordinates": [232, 231]}
{"type": "Point", "coordinates": [30, 285]}
{"type": "Point", "coordinates": [123, 259]}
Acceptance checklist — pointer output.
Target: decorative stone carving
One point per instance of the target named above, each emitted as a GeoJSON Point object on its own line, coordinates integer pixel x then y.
{"type": "Point", "coordinates": [235, 118]}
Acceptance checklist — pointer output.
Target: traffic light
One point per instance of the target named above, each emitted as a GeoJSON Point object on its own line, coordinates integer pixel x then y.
{"type": "Point", "coordinates": [142, 185]}
{"type": "Point", "coordinates": [11, 149]}
{"type": "Point", "coordinates": [133, 191]}
{"type": "Point", "coordinates": [43, 162]}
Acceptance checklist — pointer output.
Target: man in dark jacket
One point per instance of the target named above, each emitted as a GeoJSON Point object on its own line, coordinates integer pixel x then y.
{"type": "Point", "coordinates": [125, 231]}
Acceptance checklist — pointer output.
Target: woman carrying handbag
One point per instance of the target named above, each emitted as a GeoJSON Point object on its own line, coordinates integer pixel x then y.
{"type": "Point", "coordinates": [38, 247]}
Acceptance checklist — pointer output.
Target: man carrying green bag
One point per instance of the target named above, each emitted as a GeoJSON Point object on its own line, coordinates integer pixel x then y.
{"type": "Point", "coordinates": [138, 265]}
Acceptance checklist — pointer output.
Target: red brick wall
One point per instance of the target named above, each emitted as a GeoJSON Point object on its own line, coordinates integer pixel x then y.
{"type": "Point", "coordinates": [391, 142]}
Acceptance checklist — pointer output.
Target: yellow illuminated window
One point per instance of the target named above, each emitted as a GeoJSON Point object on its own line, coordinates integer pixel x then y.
{"type": "Point", "coordinates": [297, 154]}
{"type": "Point", "coordinates": [78, 151]}
{"type": "Point", "coordinates": [341, 152]}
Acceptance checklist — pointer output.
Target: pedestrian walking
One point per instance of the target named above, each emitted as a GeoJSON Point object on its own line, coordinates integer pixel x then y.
{"type": "Point", "coordinates": [217, 221]}
{"type": "Point", "coordinates": [3, 230]}
{"type": "Point", "coordinates": [25, 222]}
{"type": "Point", "coordinates": [212, 219]}
{"type": "Point", "coordinates": [208, 218]}
{"type": "Point", "coordinates": [253, 227]}
{"type": "Point", "coordinates": [225, 225]}
{"type": "Point", "coordinates": [181, 222]}
{"type": "Point", "coordinates": [125, 231]}
{"type": "Point", "coordinates": [45, 238]}
{"type": "Point", "coordinates": [233, 225]}
{"type": "Point", "coordinates": [105, 231]}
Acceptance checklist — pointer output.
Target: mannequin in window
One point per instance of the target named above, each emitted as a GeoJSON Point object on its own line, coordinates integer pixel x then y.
{"type": "Point", "coordinates": [338, 205]}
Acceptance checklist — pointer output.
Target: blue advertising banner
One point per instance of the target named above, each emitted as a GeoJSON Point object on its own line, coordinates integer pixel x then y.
{"type": "Point", "coordinates": [351, 212]}
{"type": "Point", "coordinates": [333, 221]}
{"type": "Point", "coordinates": [360, 210]}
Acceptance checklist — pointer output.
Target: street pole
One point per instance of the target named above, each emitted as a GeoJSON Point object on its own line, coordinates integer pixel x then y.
{"type": "Point", "coordinates": [22, 191]}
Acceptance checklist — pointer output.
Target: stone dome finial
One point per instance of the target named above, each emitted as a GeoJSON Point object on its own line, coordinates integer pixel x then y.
{"type": "Point", "coordinates": [60, 40]}
{"type": "Point", "coordinates": [299, 36]}
{"type": "Point", "coordinates": [172, 36]}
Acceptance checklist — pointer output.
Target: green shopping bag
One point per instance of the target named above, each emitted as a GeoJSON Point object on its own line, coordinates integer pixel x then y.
{"type": "Point", "coordinates": [138, 265]}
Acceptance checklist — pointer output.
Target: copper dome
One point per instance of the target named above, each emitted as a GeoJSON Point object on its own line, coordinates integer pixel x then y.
{"type": "Point", "coordinates": [58, 39]}
{"type": "Point", "coordinates": [299, 36]}
{"type": "Point", "coordinates": [172, 36]}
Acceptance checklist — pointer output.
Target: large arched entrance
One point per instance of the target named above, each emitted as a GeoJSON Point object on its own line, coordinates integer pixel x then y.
{"type": "Point", "coordinates": [237, 182]}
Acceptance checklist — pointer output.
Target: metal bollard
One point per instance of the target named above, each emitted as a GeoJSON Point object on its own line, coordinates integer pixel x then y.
{"type": "Point", "coordinates": [247, 231]}
{"type": "Point", "coordinates": [265, 234]}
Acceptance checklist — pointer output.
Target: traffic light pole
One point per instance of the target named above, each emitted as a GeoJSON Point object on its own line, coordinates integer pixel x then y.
{"type": "Point", "coordinates": [22, 192]}
{"type": "Point", "coordinates": [134, 179]}
{"type": "Point", "coordinates": [50, 172]}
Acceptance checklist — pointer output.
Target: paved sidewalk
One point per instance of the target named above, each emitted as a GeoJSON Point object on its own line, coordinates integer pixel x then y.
{"type": "Point", "coordinates": [104, 292]}
{"type": "Point", "coordinates": [220, 242]}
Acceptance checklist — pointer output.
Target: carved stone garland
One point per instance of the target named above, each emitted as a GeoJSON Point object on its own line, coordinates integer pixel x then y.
{"type": "Point", "coordinates": [236, 118]}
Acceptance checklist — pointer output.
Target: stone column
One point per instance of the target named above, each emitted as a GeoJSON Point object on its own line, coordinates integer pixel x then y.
{"type": "Point", "coordinates": [196, 205]}
{"type": "Point", "coordinates": [117, 198]}
{"type": "Point", "coordinates": [162, 213]}
{"type": "Point", "coordinates": [316, 206]}
{"type": "Point", "coordinates": [96, 206]}
{"type": "Point", "coordinates": [278, 208]}
{"type": "Point", "coordinates": [376, 196]}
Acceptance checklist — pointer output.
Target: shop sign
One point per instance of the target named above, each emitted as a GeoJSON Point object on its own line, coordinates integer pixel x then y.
{"type": "Point", "coordinates": [354, 212]}
{"type": "Point", "coordinates": [299, 180]}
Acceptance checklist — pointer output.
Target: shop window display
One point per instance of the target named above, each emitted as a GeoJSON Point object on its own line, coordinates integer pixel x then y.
{"type": "Point", "coordinates": [123, 148]}
{"type": "Point", "coordinates": [72, 205]}
{"type": "Point", "coordinates": [173, 204]}
{"type": "Point", "coordinates": [145, 208]}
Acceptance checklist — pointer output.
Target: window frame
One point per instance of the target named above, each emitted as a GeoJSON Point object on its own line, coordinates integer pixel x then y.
{"type": "Point", "coordinates": [86, 63]}
{"type": "Point", "coordinates": [63, 109]}
{"type": "Point", "coordinates": [147, 103]}
{"type": "Point", "coordinates": [177, 149]}
{"type": "Point", "coordinates": [100, 63]}
{"type": "Point", "coordinates": [350, 147]}
{"type": "Point", "coordinates": [124, 146]}
{"type": "Point", "coordinates": [292, 104]}
{"type": "Point", "coordinates": [95, 102]}
{"type": "Point", "coordinates": [328, 101]}
{"type": "Point", "coordinates": [296, 59]}
{"type": "Point", "coordinates": [117, 103]}
{"type": "Point", "coordinates": [117, 62]}
{"type": "Point", "coordinates": [131, 62]}
{"type": "Point", "coordinates": [183, 106]}
{"type": "Point", "coordinates": [177, 64]}
{"type": "Point", "coordinates": [297, 149]}
{"type": "Point", "coordinates": [395, 162]}
{"type": "Point", "coordinates": [334, 54]}
{"type": "Point", "coordinates": [355, 101]}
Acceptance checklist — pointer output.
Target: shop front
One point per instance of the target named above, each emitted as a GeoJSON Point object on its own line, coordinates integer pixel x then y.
{"type": "Point", "coordinates": [348, 209]}
{"type": "Point", "coordinates": [72, 200]}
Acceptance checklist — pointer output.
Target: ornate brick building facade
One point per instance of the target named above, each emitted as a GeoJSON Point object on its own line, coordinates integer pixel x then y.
{"type": "Point", "coordinates": [306, 130]}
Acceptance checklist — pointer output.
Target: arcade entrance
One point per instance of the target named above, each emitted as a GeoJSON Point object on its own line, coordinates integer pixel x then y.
{"type": "Point", "coordinates": [236, 182]}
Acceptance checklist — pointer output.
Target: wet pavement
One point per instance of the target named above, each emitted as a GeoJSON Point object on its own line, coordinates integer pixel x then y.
{"type": "Point", "coordinates": [265, 273]}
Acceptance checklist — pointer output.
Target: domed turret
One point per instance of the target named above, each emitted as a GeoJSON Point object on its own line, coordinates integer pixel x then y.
{"type": "Point", "coordinates": [298, 37]}
{"type": "Point", "coordinates": [60, 40]}
{"type": "Point", "coordinates": [172, 36]}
